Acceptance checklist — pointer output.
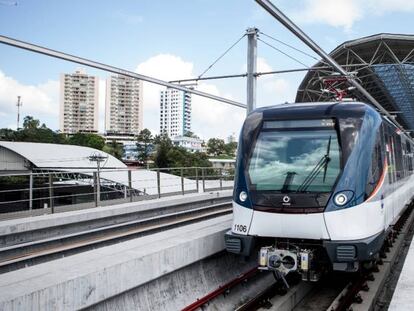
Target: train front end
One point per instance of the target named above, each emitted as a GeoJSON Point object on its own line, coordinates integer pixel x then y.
{"type": "Point", "coordinates": [296, 164]}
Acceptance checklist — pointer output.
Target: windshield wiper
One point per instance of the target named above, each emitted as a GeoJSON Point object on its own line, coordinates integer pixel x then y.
{"type": "Point", "coordinates": [326, 162]}
{"type": "Point", "coordinates": [323, 162]}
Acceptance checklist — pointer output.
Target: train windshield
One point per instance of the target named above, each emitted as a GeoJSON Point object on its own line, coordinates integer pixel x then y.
{"type": "Point", "coordinates": [295, 156]}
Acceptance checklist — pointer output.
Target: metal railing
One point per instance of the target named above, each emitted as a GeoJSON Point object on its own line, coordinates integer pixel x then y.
{"type": "Point", "coordinates": [49, 191]}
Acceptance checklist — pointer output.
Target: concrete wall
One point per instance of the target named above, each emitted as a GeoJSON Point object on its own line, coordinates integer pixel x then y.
{"type": "Point", "coordinates": [86, 279]}
{"type": "Point", "coordinates": [11, 161]}
{"type": "Point", "coordinates": [181, 288]}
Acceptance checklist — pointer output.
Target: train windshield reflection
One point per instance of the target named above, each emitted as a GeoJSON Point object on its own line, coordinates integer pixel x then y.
{"type": "Point", "coordinates": [295, 161]}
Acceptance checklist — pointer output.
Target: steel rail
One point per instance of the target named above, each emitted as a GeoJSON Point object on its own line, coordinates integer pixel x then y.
{"type": "Point", "coordinates": [90, 63]}
{"type": "Point", "coordinates": [292, 27]}
{"type": "Point", "coordinates": [29, 253]}
{"type": "Point", "coordinates": [200, 302]}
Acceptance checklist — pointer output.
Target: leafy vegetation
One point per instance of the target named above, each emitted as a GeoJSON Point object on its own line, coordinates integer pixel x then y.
{"type": "Point", "coordinates": [158, 148]}
{"type": "Point", "coordinates": [144, 144]}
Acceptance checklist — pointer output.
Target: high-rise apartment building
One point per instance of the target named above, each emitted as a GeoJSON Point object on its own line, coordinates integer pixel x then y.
{"type": "Point", "coordinates": [78, 103]}
{"type": "Point", "coordinates": [123, 106]}
{"type": "Point", "coordinates": [175, 112]}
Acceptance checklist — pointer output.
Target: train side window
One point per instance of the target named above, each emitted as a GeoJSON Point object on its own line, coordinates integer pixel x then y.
{"type": "Point", "coordinates": [376, 167]}
{"type": "Point", "coordinates": [409, 156]}
{"type": "Point", "coordinates": [388, 152]}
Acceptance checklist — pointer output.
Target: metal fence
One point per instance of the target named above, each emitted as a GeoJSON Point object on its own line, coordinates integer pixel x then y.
{"type": "Point", "coordinates": [43, 191]}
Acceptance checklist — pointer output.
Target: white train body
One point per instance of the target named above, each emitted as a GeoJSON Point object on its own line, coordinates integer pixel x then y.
{"type": "Point", "coordinates": [337, 211]}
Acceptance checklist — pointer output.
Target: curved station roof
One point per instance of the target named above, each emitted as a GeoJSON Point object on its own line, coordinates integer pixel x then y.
{"type": "Point", "coordinates": [382, 63]}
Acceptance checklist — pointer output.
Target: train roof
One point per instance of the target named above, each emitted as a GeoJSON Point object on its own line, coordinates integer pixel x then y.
{"type": "Point", "coordinates": [314, 110]}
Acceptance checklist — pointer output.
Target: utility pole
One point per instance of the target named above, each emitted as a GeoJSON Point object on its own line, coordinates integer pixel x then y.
{"type": "Point", "coordinates": [251, 68]}
{"type": "Point", "coordinates": [98, 158]}
{"type": "Point", "coordinates": [19, 104]}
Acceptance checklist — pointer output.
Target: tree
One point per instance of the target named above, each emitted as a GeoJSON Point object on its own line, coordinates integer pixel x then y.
{"type": "Point", "coordinates": [215, 146]}
{"type": "Point", "coordinates": [230, 148]}
{"type": "Point", "coordinates": [31, 123]}
{"type": "Point", "coordinates": [7, 134]}
{"type": "Point", "coordinates": [163, 146]}
{"type": "Point", "coordinates": [87, 140]}
{"type": "Point", "coordinates": [32, 132]}
{"type": "Point", "coordinates": [114, 149]}
{"type": "Point", "coordinates": [144, 142]}
{"type": "Point", "coordinates": [190, 134]}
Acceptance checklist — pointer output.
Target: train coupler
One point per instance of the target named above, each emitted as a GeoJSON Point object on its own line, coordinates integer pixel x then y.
{"type": "Point", "coordinates": [284, 261]}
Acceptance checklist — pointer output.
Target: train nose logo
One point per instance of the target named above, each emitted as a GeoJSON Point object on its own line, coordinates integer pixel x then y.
{"type": "Point", "coordinates": [286, 199]}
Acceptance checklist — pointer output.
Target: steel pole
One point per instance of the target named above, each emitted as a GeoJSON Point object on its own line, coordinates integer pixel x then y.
{"type": "Point", "coordinates": [95, 186]}
{"type": "Point", "coordinates": [51, 201]}
{"type": "Point", "coordinates": [31, 191]}
{"type": "Point", "coordinates": [285, 21]}
{"type": "Point", "coordinates": [159, 183]}
{"type": "Point", "coordinates": [130, 184]}
{"type": "Point", "coordinates": [98, 185]}
{"type": "Point", "coordinates": [83, 61]}
{"type": "Point", "coordinates": [251, 69]}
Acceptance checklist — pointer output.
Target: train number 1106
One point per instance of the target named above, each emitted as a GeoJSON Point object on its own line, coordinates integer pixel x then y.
{"type": "Point", "coordinates": [240, 228]}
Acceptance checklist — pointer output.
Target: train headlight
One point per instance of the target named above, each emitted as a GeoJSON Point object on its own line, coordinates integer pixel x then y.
{"type": "Point", "coordinates": [340, 199]}
{"type": "Point", "coordinates": [243, 196]}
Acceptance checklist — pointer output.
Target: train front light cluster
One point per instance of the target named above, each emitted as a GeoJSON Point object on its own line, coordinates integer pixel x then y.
{"type": "Point", "coordinates": [341, 199]}
{"type": "Point", "coordinates": [243, 196]}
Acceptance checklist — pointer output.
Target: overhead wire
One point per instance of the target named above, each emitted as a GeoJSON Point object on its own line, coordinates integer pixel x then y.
{"type": "Point", "coordinates": [221, 56]}
{"type": "Point", "coordinates": [284, 53]}
{"type": "Point", "coordinates": [291, 46]}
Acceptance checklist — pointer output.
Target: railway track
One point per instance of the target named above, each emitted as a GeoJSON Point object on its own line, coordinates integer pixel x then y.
{"type": "Point", "coordinates": [25, 254]}
{"type": "Point", "coordinates": [335, 292]}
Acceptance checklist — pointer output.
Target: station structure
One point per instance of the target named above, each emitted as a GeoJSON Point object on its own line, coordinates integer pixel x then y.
{"type": "Point", "coordinates": [143, 273]}
{"type": "Point", "coordinates": [382, 63]}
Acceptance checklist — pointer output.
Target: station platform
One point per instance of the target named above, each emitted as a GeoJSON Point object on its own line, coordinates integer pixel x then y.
{"type": "Point", "coordinates": [403, 297]}
{"type": "Point", "coordinates": [30, 228]}
{"type": "Point", "coordinates": [86, 279]}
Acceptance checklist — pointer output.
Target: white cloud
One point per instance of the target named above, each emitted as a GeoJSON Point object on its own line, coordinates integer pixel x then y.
{"type": "Point", "coordinates": [278, 86]}
{"type": "Point", "coordinates": [165, 67]}
{"type": "Point", "coordinates": [338, 13]}
{"type": "Point", "coordinates": [345, 13]}
{"type": "Point", "coordinates": [209, 118]}
{"type": "Point", "coordinates": [40, 101]}
{"type": "Point", "coordinates": [271, 90]}
{"type": "Point", "coordinates": [212, 118]}
{"type": "Point", "coordinates": [261, 66]}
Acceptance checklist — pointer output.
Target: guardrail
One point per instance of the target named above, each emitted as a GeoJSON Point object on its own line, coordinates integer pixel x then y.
{"type": "Point", "coordinates": [49, 191]}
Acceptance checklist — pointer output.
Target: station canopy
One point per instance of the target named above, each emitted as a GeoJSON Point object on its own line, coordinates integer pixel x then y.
{"type": "Point", "coordinates": [383, 64]}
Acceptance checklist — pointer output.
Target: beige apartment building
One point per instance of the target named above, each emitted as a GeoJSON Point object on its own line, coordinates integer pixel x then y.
{"type": "Point", "coordinates": [78, 103]}
{"type": "Point", "coordinates": [123, 106]}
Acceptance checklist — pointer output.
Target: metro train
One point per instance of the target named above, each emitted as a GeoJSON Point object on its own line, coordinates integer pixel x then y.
{"type": "Point", "coordinates": [318, 186]}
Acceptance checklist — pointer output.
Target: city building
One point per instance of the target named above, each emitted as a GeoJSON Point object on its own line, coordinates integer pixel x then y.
{"type": "Point", "coordinates": [123, 106]}
{"type": "Point", "coordinates": [175, 112]}
{"type": "Point", "coordinates": [78, 103]}
{"type": "Point", "coordinates": [232, 138]}
{"type": "Point", "coordinates": [190, 143]}
{"type": "Point", "coordinates": [225, 164]}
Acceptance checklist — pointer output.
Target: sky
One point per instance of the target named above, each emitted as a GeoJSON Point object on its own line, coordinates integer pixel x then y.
{"type": "Point", "coordinates": [175, 39]}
